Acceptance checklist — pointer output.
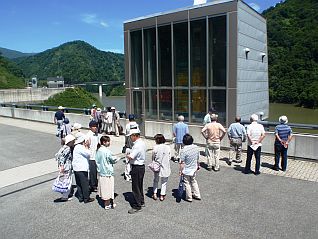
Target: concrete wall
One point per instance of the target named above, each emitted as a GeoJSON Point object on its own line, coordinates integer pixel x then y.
{"type": "Point", "coordinates": [27, 95]}
{"type": "Point", "coordinates": [252, 71]}
{"type": "Point", "coordinates": [302, 146]}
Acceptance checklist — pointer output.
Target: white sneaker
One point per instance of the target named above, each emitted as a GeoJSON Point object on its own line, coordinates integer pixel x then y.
{"type": "Point", "coordinates": [108, 207]}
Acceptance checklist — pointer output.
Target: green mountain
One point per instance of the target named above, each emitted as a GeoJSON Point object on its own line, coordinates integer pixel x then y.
{"type": "Point", "coordinates": [10, 75]}
{"type": "Point", "coordinates": [11, 54]}
{"type": "Point", "coordinates": [76, 61]}
{"type": "Point", "coordinates": [293, 52]}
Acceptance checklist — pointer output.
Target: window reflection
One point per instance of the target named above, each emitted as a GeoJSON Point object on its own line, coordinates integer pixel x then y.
{"type": "Point", "coordinates": [217, 100]}
{"type": "Point", "coordinates": [136, 58]}
{"type": "Point", "coordinates": [151, 104]}
{"type": "Point", "coordinates": [165, 69]}
{"type": "Point", "coordinates": [165, 104]}
{"type": "Point", "coordinates": [150, 57]}
{"type": "Point", "coordinates": [181, 103]}
{"type": "Point", "coordinates": [198, 52]}
{"type": "Point", "coordinates": [181, 63]}
{"type": "Point", "coordinates": [217, 51]}
{"type": "Point", "coordinates": [198, 105]}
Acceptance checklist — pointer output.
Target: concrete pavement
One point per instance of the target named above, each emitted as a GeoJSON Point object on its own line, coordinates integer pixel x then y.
{"type": "Point", "coordinates": [234, 205]}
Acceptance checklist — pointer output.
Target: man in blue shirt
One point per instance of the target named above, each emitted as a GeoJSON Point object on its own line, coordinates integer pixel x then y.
{"type": "Point", "coordinates": [283, 135]}
{"type": "Point", "coordinates": [179, 130]}
{"type": "Point", "coordinates": [58, 119]}
{"type": "Point", "coordinates": [237, 135]}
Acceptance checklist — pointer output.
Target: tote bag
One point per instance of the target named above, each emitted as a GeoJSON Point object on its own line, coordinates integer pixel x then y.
{"type": "Point", "coordinates": [154, 166]}
{"type": "Point", "coordinates": [62, 183]}
{"type": "Point", "coordinates": [181, 187]}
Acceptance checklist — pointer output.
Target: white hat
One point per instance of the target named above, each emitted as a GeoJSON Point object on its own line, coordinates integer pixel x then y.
{"type": "Point", "coordinates": [99, 109]}
{"type": "Point", "coordinates": [112, 108]}
{"type": "Point", "coordinates": [77, 126]}
{"type": "Point", "coordinates": [283, 119]}
{"type": "Point", "coordinates": [134, 131]}
{"type": "Point", "coordinates": [69, 138]}
{"type": "Point", "coordinates": [60, 107]}
{"type": "Point", "coordinates": [254, 117]}
{"type": "Point", "coordinates": [80, 139]}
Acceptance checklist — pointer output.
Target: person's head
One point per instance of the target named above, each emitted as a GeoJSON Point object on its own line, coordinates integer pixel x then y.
{"type": "Point", "coordinates": [61, 108]}
{"type": "Point", "coordinates": [254, 118]}
{"type": "Point", "coordinates": [180, 118]}
{"type": "Point", "coordinates": [104, 140]}
{"type": "Point", "coordinates": [69, 140]}
{"type": "Point", "coordinates": [187, 139]}
{"type": "Point", "coordinates": [160, 139]}
{"type": "Point", "coordinates": [131, 117]}
{"type": "Point", "coordinates": [112, 109]}
{"type": "Point", "coordinates": [94, 106]}
{"type": "Point", "coordinates": [80, 140]}
{"type": "Point", "coordinates": [93, 125]}
{"type": "Point", "coordinates": [134, 134]}
{"type": "Point", "coordinates": [76, 126]}
{"type": "Point", "coordinates": [238, 119]}
{"type": "Point", "coordinates": [214, 117]}
{"type": "Point", "coordinates": [283, 119]}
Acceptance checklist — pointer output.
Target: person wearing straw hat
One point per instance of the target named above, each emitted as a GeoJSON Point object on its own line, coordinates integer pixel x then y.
{"type": "Point", "coordinates": [64, 161]}
{"type": "Point", "coordinates": [283, 135]}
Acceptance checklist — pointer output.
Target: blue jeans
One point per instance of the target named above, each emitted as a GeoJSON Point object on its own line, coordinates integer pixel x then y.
{"type": "Point", "coordinates": [257, 154]}
{"type": "Point", "coordinates": [280, 151]}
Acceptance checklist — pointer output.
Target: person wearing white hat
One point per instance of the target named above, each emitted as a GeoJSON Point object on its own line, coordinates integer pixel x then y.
{"type": "Point", "coordinates": [80, 165]}
{"type": "Point", "coordinates": [255, 136]}
{"type": "Point", "coordinates": [64, 161]}
{"type": "Point", "coordinates": [58, 119]}
{"type": "Point", "coordinates": [283, 135]}
{"type": "Point", "coordinates": [137, 157]}
{"type": "Point", "coordinates": [115, 120]}
{"type": "Point", "coordinates": [76, 130]}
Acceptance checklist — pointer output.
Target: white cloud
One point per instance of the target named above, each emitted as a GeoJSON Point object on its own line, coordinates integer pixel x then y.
{"type": "Point", "coordinates": [197, 2]}
{"type": "Point", "coordinates": [255, 6]}
{"type": "Point", "coordinates": [103, 23]}
{"type": "Point", "coordinates": [114, 50]}
{"type": "Point", "coordinates": [89, 18]}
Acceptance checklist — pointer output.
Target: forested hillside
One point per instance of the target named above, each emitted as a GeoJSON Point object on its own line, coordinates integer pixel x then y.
{"type": "Point", "coordinates": [11, 54]}
{"type": "Point", "coordinates": [76, 61]}
{"type": "Point", "coordinates": [293, 52]}
{"type": "Point", "coordinates": [10, 75]}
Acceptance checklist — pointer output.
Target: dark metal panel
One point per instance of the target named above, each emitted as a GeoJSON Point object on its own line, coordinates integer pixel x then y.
{"type": "Point", "coordinates": [172, 17]}
{"type": "Point", "coordinates": [149, 22]}
{"type": "Point", "coordinates": [213, 10]}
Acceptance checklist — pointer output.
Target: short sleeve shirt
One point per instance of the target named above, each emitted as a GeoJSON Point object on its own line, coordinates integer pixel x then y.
{"type": "Point", "coordinates": [138, 152]}
{"type": "Point", "coordinates": [190, 156]}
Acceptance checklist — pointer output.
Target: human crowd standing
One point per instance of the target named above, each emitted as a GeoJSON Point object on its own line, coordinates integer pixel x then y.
{"type": "Point", "coordinates": [89, 159]}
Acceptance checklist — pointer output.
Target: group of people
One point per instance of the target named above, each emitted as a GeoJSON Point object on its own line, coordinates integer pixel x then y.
{"type": "Point", "coordinates": [89, 160]}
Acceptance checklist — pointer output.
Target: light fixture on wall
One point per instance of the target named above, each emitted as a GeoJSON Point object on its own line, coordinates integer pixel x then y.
{"type": "Point", "coordinates": [246, 50]}
{"type": "Point", "coordinates": [263, 56]}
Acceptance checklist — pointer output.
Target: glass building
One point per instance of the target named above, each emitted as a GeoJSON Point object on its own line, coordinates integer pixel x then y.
{"type": "Point", "coordinates": [192, 59]}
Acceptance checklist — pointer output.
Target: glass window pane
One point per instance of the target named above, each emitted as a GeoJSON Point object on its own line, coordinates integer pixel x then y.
{"type": "Point", "coordinates": [217, 51]}
{"type": "Point", "coordinates": [165, 104]}
{"type": "Point", "coordinates": [181, 63]}
{"type": "Point", "coordinates": [198, 105]}
{"type": "Point", "coordinates": [217, 100]}
{"type": "Point", "coordinates": [136, 59]}
{"type": "Point", "coordinates": [150, 57]}
{"type": "Point", "coordinates": [164, 51]}
{"type": "Point", "coordinates": [151, 104]}
{"type": "Point", "coordinates": [181, 104]}
{"type": "Point", "coordinates": [198, 52]}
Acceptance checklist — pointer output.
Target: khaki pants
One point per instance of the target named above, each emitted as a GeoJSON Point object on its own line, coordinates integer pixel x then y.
{"type": "Point", "coordinates": [235, 148]}
{"type": "Point", "coordinates": [177, 148]}
{"type": "Point", "coordinates": [191, 187]}
{"type": "Point", "coordinates": [214, 154]}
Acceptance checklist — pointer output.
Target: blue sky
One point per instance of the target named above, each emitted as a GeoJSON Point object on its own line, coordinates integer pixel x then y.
{"type": "Point", "coordinates": [38, 25]}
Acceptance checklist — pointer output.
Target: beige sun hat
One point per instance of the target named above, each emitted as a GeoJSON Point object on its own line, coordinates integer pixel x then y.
{"type": "Point", "coordinates": [69, 138]}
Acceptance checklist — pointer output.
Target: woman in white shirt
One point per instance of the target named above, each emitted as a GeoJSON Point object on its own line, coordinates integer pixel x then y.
{"type": "Point", "coordinates": [161, 154]}
{"type": "Point", "coordinates": [81, 156]}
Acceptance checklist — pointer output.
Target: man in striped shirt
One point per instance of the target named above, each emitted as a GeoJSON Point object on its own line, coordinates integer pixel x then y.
{"type": "Point", "coordinates": [283, 135]}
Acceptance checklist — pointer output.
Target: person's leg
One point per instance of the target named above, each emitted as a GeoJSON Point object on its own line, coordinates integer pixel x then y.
{"type": "Point", "coordinates": [257, 154]}
{"type": "Point", "coordinates": [79, 191]}
{"type": "Point", "coordinates": [217, 148]}
{"type": "Point", "coordinates": [209, 156]}
{"type": "Point", "coordinates": [155, 185]}
{"type": "Point", "coordinates": [239, 151]}
{"type": "Point", "coordinates": [284, 158]}
{"type": "Point", "coordinates": [187, 188]}
{"type": "Point", "coordinates": [164, 181]}
{"type": "Point", "coordinates": [141, 184]}
{"type": "Point", "coordinates": [127, 171]}
{"type": "Point", "coordinates": [232, 151]}
{"type": "Point", "coordinates": [135, 187]}
{"type": "Point", "coordinates": [277, 156]}
{"type": "Point", "coordinates": [92, 175]}
{"type": "Point", "coordinates": [85, 186]}
{"type": "Point", "coordinates": [248, 160]}
{"type": "Point", "coordinates": [195, 188]}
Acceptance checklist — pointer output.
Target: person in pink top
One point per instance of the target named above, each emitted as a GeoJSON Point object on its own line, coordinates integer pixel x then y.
{"type": "Point", "coordinates": [213, 132]}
